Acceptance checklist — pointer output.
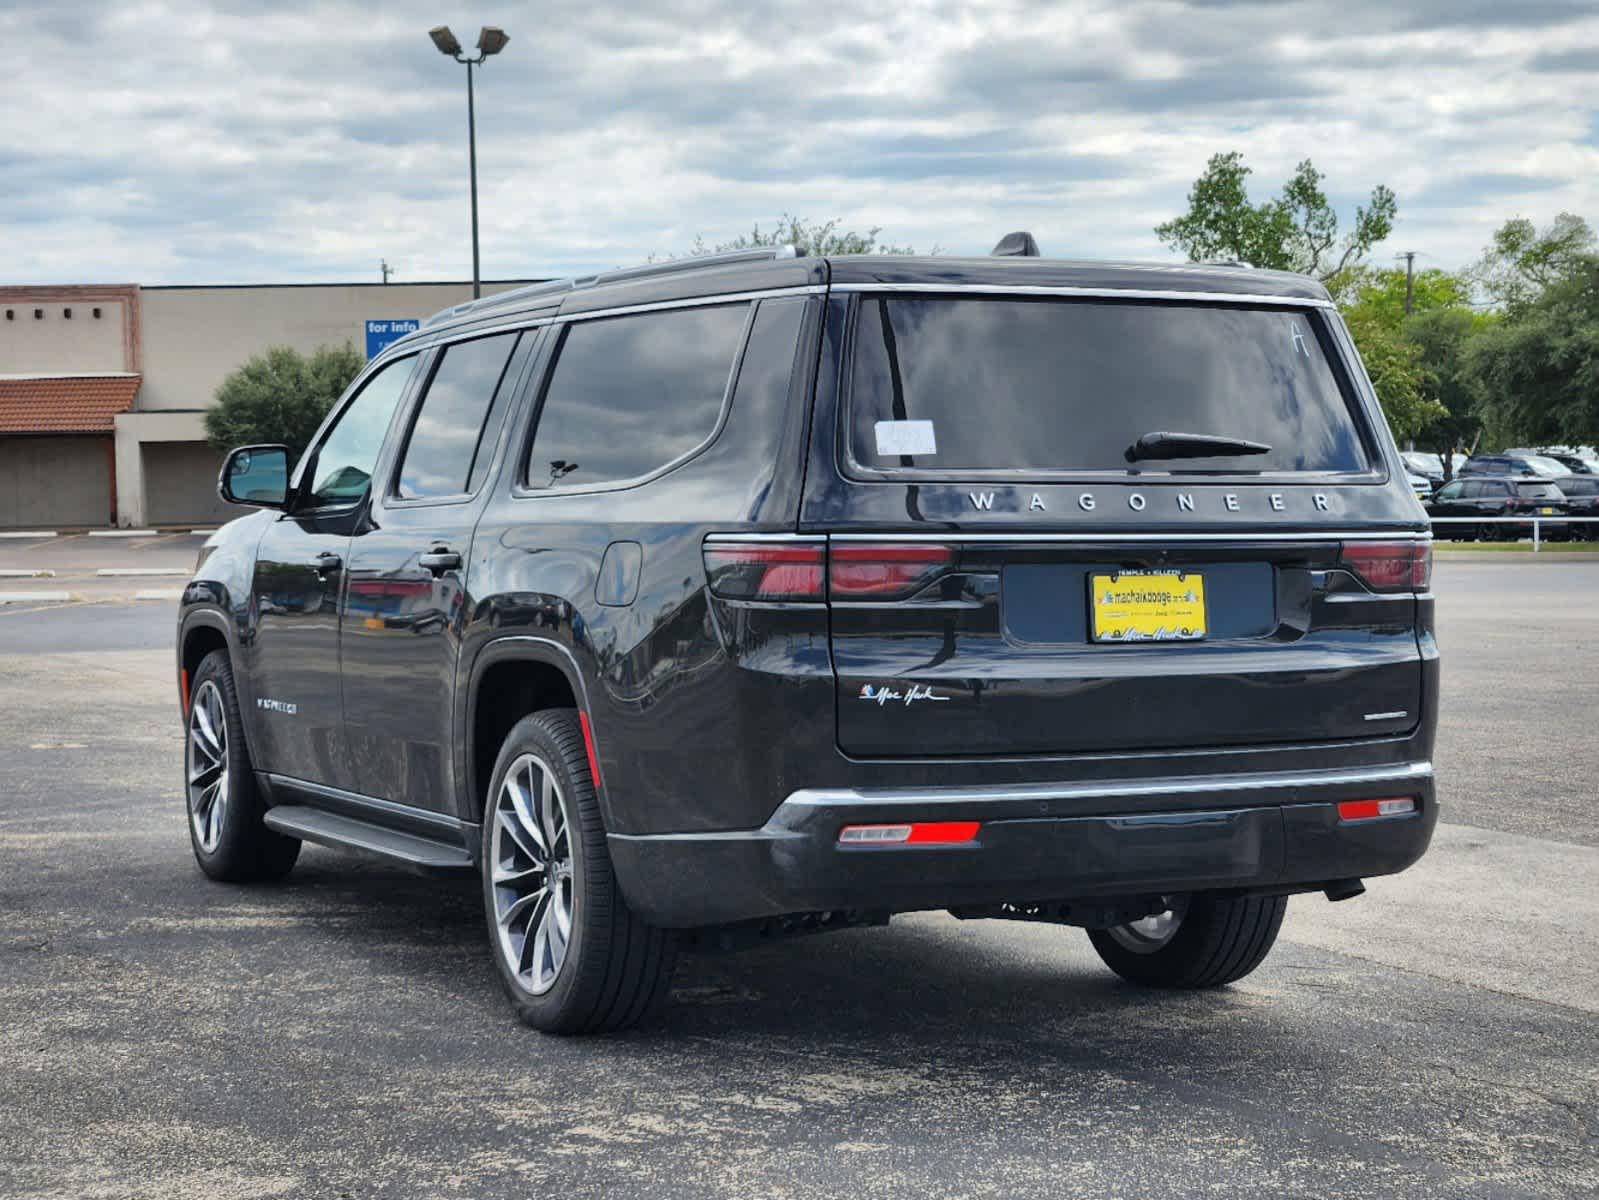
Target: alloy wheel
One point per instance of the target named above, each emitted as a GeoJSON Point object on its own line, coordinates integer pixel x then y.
{"type": "Point", "coordinates": [532, 873]}
{"type": "Point", "coordinates": [208, 765]}
{"type": "Point", "coordinates": [1151, 933]}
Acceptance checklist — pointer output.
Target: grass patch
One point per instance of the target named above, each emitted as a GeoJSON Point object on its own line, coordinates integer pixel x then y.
{"type": "Point", "coordinates": [1522, 547]}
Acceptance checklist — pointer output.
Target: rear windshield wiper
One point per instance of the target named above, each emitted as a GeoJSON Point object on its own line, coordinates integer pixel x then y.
{"type": "Point", "coordinates": [1191, 445]}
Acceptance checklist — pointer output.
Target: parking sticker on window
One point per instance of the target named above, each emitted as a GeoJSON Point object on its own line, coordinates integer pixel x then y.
{"type": "Point", "coordinates": [906, 437]}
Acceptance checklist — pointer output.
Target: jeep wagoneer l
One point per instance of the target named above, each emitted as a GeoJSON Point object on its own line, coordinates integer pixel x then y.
{"type": "Point", "coordinates": [762, 594]}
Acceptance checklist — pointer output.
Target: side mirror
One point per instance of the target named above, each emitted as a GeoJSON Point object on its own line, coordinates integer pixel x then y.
{"type": "Point", "coordinates": [256, 475]}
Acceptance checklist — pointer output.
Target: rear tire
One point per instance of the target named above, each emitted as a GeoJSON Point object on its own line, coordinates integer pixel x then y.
{"type": "Point", "coordinates": [571, 955]}
{"type": "Point", "coordinates": [231, 842]}
{"type": "Point", "coordinates": [1208, 941]}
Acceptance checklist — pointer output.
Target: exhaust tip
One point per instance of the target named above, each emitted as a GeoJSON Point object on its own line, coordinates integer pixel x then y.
{"type": "Point", "coordinates": [1344, 889]}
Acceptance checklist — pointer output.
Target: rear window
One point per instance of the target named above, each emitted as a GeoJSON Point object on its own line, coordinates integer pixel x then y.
{"type": "Point", "coordinates": [1043, 387]}
{"type": "Point", "coordinates": [1539, 490]}
{"type": "Point", "coordinates": [1579, 487]}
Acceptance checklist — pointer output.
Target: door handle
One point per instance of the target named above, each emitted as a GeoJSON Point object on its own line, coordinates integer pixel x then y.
{"type": "Point", "coordinates": [327, 562]}
{"type": "Point", "coordinates": [439, 560]}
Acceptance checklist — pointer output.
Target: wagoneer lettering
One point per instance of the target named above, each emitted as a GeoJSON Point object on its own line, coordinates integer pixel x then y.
{"type": "Point", "coordinates": [703, 596]}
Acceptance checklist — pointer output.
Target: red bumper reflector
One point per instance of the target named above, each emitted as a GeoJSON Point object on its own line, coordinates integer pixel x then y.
{"type": "Point", "coordinates": [183, 691]}
{"type": "Point", "coordinates": [1366, 810]}
{"type": "Point", "coordinates": [922, 833]}
{"type": "Point", "coordinates": [588, 748]}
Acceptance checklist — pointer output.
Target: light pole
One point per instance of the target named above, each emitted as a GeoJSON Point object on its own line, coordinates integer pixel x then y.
{"type": "Point", "coordinates": [490, 40]}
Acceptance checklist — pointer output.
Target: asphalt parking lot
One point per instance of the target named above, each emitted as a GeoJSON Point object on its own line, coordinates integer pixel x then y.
{"type": "Point", "coordinates": [342, 1034]}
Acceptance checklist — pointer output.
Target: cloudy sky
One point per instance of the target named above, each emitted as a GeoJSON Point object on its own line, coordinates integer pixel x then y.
{"type": "Point", "coordinates": [275, 141]}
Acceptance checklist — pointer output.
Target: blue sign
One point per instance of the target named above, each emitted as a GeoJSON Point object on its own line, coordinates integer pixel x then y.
{"type": "Point", "coordinates": [380, 333]}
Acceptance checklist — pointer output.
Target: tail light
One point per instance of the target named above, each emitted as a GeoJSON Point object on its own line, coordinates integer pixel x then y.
{"type": "Point", "coordinates": [884, 570]}
{"type": "Point", "coordinates": [1389, 566]}
{"type": "Point", "coordinates": [768, 571]}
{"type": "Point", "coordinates": [1368, 810]}
{"type": "Point", "coordinates": [914, 833]}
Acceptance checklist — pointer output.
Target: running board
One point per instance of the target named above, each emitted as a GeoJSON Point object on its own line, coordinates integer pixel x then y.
{"type": "Point", "coordinates": [349, 833]}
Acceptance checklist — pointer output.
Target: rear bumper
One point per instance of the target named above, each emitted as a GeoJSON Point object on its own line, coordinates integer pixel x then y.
{"type": "Point", "coordinates": [1035, 842]}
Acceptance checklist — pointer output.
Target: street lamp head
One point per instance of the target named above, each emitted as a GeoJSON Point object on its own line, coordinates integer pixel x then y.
{"type": "Point", "coordinates": [445, 40]}
{"type": "Point", "coordinates": [491, 40]}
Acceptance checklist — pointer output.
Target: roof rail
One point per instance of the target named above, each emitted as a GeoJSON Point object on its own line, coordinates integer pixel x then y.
{"type": "Point", "coordinates": [670, 267]}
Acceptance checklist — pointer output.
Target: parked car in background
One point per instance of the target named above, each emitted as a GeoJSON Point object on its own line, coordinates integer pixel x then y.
{"type": "Point", "coordinates": [1514, 462]}
{"type": "Point", "coordinates": [1429, 466]}
{"type": "Point", "coordinates": [1421, 485]}
{"type": "Point", "coordinates": [1498, 496]}
{"type": "Point", "coordinates": [1582, 500]}
{"type": "Point", "coordinates": [1579, 462]}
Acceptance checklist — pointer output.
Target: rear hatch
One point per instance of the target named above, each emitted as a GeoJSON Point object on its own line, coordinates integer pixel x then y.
{"type": "Point", "coordinates": [1008, 575]}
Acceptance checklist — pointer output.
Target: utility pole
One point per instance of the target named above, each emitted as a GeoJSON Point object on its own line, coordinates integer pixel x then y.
{"type": "Point", "coordinates": [1410, 278]}
{"type": "Point", "coordinates": [387, 271]}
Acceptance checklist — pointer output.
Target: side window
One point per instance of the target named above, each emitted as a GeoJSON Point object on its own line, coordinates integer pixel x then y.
{"type": "Point", "coordinates": [457, 421]}
{"type": "Point", "coordinates": [629, 395]}
{"type": "Point", "coordinates": [1451, 491]}
{"type": "Point", "coordinates": [341, 469]}
{"type": "Point", "coordinates": [1473, 490]}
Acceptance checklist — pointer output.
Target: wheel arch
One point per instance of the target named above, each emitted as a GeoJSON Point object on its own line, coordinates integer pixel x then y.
{"type": "Point", "coordinates": [512, 678]}
{"type": "Point", "coordinates": [201, 632]}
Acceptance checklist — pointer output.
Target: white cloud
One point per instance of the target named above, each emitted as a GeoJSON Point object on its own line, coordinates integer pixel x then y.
{"type": "Point", "coordinates": [241, 142]}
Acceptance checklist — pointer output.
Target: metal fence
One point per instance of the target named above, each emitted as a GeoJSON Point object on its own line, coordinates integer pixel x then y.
{"type": "Point", "coordinates": [1562, 524]}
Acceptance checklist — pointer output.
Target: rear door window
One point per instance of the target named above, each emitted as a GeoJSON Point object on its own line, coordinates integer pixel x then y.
{"type": "Point", "coordinates": [975, 387]}
{"type": "Point", "coordinates": [1540, 491]}
{"type": "Point", "coordinates": [457, 421]}
{"type": "Point", "coordinates": [631, 395]}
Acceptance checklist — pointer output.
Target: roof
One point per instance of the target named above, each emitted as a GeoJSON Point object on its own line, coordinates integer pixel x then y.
{"type": "Point", "coordinates": [772, 268]}
{"type": "Point", "coordinates": [64, 403]}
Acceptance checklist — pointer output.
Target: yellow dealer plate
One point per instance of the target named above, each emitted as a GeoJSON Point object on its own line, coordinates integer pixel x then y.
{"type": "Point", "coordinates": [1148, 606]}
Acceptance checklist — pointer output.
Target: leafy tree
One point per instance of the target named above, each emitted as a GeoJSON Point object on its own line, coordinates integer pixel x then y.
{"type": "Point", "coordinates": [1380, 291]}
{"type": "Point", "coordinates": [811, 238]}
{"type": "Point", "coordinates": [1397, 374]}
{"type": "Point", "coordinates": [1536, 373]}
{"type": "Point", "coordinates": [1521, 261]}
{"type": "Point", "coordinates": [1441, 335]}
{"type": "Point", "coordinates": [280, 396]}
{"type": "Point", "coordinates": [1296, 231]}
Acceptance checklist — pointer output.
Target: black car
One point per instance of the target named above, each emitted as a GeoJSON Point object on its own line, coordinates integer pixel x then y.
{"type": "Point", "coordinates": [1523, 463]}
{"type": "Point", "coordinates": [1582, 500]}
{"type": "Point", "coordinates": [1499, 497]}
{"type": "Point", "coordinates": [763, 594]}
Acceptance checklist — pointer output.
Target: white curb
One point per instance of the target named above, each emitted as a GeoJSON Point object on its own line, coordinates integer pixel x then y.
{"type": "Point", "coordinates": [33, 597]}
{"type": "Point", "coordinates": [157, 594]}
{"type": "Point", "coordinates": [25, 573]}
{"type": "Point", "coordinates": [201, 532]}
{"type": "Point", "coordinates": [143, 571]}
{"type": "Point", "coordinates": [124, 533]}
{"type": "Point", "coordinates": [29, 535]}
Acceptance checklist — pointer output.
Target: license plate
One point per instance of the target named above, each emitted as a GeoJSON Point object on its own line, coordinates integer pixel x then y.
{"type": "Point", "coordinates": [1546, 512]}
{"type": "Point", "coordinates": [1148, 606]}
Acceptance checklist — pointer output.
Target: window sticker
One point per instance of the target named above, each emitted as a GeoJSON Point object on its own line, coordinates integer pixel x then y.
{"type": "Point", "coordinates": [905, 437]}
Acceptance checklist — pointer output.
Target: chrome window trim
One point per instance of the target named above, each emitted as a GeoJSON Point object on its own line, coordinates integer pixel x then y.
{"type": "Point", "coordinates": [1254, 536]}
{"type": "Point", "coordinates": [1104, 293]}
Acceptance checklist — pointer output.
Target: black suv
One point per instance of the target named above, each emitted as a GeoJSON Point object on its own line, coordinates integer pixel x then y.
{"type": "Point", "coordinates": [767, 594]}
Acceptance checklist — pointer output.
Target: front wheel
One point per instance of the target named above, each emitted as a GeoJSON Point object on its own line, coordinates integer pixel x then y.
{"type": "Point", "coordinates": [231, 842]}
{"type": "Point", "coordinates": [571, 955]}
{"type": "Point", "coordinates": [1198, 941]}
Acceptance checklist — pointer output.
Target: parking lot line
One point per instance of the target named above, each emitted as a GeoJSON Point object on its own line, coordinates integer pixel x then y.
{"type": "Point", "coordinates": [28, 535]}
{"type": "Point", "coordinates": [25, 573]}
{"type": "Point", "coordinates": [124, 533]}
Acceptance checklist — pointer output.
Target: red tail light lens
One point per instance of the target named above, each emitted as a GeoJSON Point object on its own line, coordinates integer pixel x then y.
{"type": "Point", "coordinates": [769, 571]}
{"type": "Point", "coordinates": [1370, 810]}
{"type": "Point", "coordinates": [916, 833]}
{"type": "Point", "coordinates": [1390, 566]}
{"type": "Point", "coordinates": [884, 571]}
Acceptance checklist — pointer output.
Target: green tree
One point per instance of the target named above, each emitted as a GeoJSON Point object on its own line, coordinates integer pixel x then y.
{"type": "Point", "coordinates": [1380, 291]}
{"type": "Point", "coordinates": [810, 238]}
{"type": "Point", "coordinates": [1397, 374]}
{"type": "Point", "coordinates": [1522, 260]}
{"type": "Point", "coordinates": [1295, 231]}
{"type": "Point", "coordinates": [1536, 373]}
{"type": "Point", "coordinates": [280, 396]}
{"type": "Point", "coordinates": [1441, 335]}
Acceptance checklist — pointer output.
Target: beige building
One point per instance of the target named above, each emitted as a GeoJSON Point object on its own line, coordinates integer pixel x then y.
{"type": "Point", "coordinates": [103, 389]}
